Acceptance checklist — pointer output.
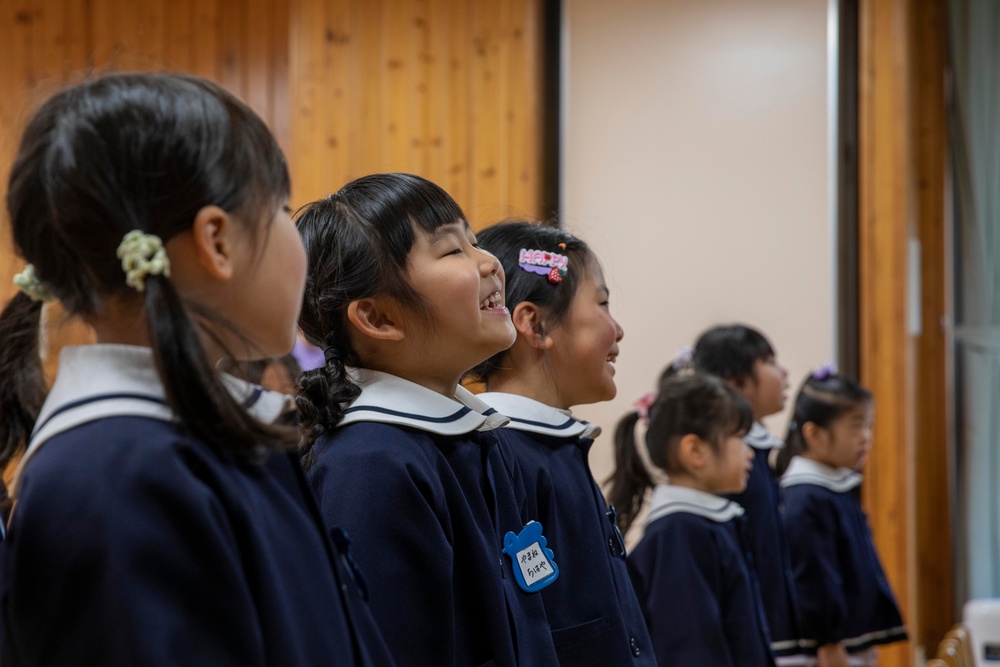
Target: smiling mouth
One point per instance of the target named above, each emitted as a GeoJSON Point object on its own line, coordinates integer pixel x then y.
{"type": "Point", "coordinates": [492, 302]}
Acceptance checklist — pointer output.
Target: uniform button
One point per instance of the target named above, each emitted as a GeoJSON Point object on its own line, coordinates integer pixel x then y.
{"type": "Point", "coordinates": [635, 646]}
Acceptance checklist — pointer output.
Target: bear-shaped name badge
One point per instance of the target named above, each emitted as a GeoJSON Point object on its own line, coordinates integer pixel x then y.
{"type": "Point", "coordinates": [534, 564]}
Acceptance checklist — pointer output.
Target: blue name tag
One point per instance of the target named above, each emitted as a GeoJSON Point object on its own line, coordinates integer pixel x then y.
{"type": "Point", "coordinates": [534, 565]}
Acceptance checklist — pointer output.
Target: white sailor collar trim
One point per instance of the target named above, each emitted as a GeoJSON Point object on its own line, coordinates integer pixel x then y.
{"type": "Point", "coordinates": [527, 414]}
{"type": "Point", "coordinates": [806, 471]}
{"type": "Point", "coordinates": [670, 499]}
{"type": "Point", "coordinates": [99, 381]}
{"type": "Point", "coordinates": [388, 399]}
{"type": "Point", "coordinates": [760, 438]}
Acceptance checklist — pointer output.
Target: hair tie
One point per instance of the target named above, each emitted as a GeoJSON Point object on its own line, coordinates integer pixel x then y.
{"type": "Point", "coordinates": [643, 404]}
{"type": "Point", "coordinates": [28, 282]}
{"type": "Point", "coordinates": [684, 361]}
{"type": "Point", "coordinates": [824, 372]}
{"type": "Point", "coordinates": [544, 263]}
{"type": "Point", "coordinates": [142, 255]}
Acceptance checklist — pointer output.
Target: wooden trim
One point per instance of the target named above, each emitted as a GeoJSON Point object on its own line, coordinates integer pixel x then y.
{"type": "Point", "coordinates": [885, 347]}
{"type": "Point", "coordinates": [902, 187]}
{"type": "Point", "coordinates": [934, 548]}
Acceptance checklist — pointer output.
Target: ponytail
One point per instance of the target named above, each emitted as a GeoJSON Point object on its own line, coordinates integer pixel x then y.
{"type": "Point", "coordinates": [324, 394]}
{"type": "Point", "coordinates": [194, 390]}
{"type": "Point", "coordinates": [22, 389]}
{"type": "Point", "coordinates": [795, 445]}
{"type": "Point", "coordinates": [630, 480]}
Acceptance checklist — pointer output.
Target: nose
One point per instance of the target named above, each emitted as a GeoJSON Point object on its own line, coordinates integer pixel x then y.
{"type": "Point", "coordinates": [490, 265]}
{"type": "Point", "coordinates": [619, 331]}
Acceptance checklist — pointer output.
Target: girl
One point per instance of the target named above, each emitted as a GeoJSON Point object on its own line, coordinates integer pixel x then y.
{"type": "Point", "coordinates": [847, 605]}
{"type": "Point", "coordinates": [403, 302]}
{"type": "Point", "coordinates": [160, 518]}
{"type": "Point", "coordinates": [697, 591]}
{"type": "Point", "coordinates": [567, 342]}
{"type": "Point", "coordinates": [744, 358]}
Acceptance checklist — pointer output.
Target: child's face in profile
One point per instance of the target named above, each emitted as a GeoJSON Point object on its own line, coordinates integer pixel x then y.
{"type": "Point", "coordinates": [729, 467]}
{"type": "Point", "coordinates": [585, 345]}
{"type": "Point", "coordinates": [766, 391]}
{"type": "Point", "coordinates": [463, 288]}
{"type": "Point", "coordinates": [846, 441]}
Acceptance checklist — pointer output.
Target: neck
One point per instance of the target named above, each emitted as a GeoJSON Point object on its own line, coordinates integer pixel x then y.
{"type": "Point", "coordinates": [688, 482]}
{"type": "Point", "coordinates": [817, 459]}
{"type": "Point", "coordinates": [437, 380]}
{"type": "Point", "coordinates": [532, 378]}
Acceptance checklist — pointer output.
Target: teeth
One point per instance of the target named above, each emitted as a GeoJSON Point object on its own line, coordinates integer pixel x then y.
{"type": "Point", "coordinates": [492, 301]}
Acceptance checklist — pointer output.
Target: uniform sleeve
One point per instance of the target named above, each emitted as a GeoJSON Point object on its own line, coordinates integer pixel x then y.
{"type": "Point", "coordinates": [126, 558]}
{"type": "Point", "coordinates": [813, 543]}
{"type": "Point", "coordinates": [678, 582]}
{"type": "Point", "coordinates": [394, 515]}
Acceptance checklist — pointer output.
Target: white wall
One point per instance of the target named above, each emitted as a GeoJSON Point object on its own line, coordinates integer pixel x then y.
{"type": "Point", "coordinates": [695, 160]}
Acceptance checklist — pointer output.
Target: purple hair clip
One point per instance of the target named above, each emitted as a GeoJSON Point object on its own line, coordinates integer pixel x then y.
{"type": "Point", "coordinates": [824, 372]}
{"type": "Point", "coordinates": [684, 359]}
{"type": "Point", "coordinates": [643, 404]}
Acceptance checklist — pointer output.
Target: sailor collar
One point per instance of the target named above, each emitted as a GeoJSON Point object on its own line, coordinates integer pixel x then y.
{"type": "Point", "coordinates": [100, 381]}
{"type": "Point", "coordinates": [670, 499]}
{"type": "Point", "coordinates": [760, 438]}
{"type": "Point", "coordinates": [527, 414]}
{"type": "Point", "coordinates": [389, 399]}
{"type": "Point", "coordinates": [806, 471]}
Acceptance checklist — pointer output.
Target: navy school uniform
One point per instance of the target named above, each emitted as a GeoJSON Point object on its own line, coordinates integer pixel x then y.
{"type": "Point", "coordinates": [134, 543]}
{"type": "Point", "coordinates": [592, 609]}
{"type": "Point", "coordinates": [420, 482]}
{"type": "Point", "coordinates": [765, 536]}
{"type": "Point", "coordinates": [843, 592]}
{"type": "Point", "coordinates": [694, 584]}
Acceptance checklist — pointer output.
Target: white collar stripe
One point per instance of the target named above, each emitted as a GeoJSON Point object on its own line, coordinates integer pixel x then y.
{"type": "Point", "coordinates": [806, 471]}
{"type": "Point", "coordinates": [669, 499]}
{"type": "Point", "coordinates": [555, 427]}
{"type": "Point", "coordinates": [531, 416]}
{"type": "Point", "coordinates": [93, 399]}
{"type": "Point", "coordinates": [455, 416]}
{"type": "Point", "coordinates": [389, 399]}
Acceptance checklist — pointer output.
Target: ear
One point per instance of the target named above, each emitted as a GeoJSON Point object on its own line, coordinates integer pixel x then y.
{"type": "Point", "coordinates": [527, 318]}
{"type": "Point", "coordinates": [813, 435]}
{"type": "Point", "coordinates": [691, 452]}
{"type": "Point", "coordinates": [213, 237]}
{"type": "Point", "coordinates": [375, 318]}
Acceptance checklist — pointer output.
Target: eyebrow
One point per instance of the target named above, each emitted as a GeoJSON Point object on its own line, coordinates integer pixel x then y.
{"type": "Point", "coordinates": [451, 228]}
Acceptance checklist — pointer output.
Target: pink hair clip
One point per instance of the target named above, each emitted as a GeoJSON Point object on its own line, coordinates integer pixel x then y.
{"type": "Point", "coordinates": [643, 404]}
{"type": "Point", "coordinates": [544, 263]}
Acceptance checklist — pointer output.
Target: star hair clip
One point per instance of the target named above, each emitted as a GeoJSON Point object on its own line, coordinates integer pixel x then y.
{"type": "Point", "coordinates": [544, 263]}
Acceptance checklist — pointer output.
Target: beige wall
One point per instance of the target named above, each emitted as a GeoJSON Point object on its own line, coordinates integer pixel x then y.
{"type": "Point", "coordinates": [695, 161]}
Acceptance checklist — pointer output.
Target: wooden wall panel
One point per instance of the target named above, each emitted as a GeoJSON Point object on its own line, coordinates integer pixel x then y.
{"type": "Point", "coordinates": [902, 172]}
{"type": "Point", "coordinates": [449, 89]}
{"type": "Point", "coordinates": [885, 346]}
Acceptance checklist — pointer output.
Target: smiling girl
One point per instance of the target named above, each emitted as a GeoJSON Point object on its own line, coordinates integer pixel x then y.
{"type": "Point", "coordinates": [403, 302]}
{"type": "Point", "coordinates": [567, 342]}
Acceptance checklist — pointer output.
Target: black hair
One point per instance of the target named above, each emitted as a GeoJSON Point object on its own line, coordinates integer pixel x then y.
{"type": "Point", "coordinates": [692, 403]}
{"type": "Point", "coordinates": [821, 400]}
{"type": "Point", "coordinates": [357, 243]}
{"type": "Point", "coordinates": [730, 352]}
{"type": "Point", "coordinates": [114, 154]}
{"type": "Point", "coordinates": [505, 241]}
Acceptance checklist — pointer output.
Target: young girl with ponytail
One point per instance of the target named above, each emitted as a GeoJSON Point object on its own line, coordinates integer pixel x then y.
{"type": "Point", "coordinates": [697, 590]}
{"type": "Point", "coordinates": [403, 302]}
{"type": "Point", "coordinates": [161, 517]}
{"type": "Point", "coordinates": [847, 606]}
